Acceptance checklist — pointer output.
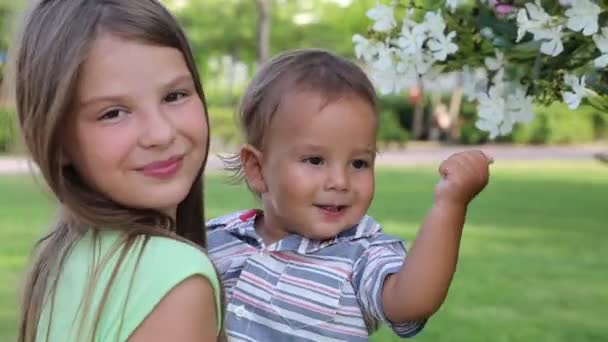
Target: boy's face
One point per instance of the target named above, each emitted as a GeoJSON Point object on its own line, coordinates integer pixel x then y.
{"type": "Point", "coordinates": [318, 166]}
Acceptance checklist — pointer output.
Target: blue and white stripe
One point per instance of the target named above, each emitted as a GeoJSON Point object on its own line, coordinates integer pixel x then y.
{"type": "Point", "coordinates": [303, 290]}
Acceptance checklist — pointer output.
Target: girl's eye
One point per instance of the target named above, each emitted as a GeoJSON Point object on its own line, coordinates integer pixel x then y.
{"type": "Point", "coordinates": [360, 164]}
{"type": "Point", "coordinates": [175, 96]}
{"type": "Point", "coordinates": [110, 115]}
{"type": "Point", "coordinates": [314, 160]}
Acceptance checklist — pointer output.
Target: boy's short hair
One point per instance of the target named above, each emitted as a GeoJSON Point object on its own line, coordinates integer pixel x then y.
{"type": "Point", "coordinates": [305, 70]}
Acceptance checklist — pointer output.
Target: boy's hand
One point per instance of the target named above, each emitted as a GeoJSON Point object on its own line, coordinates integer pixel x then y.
{"type": "Point", "coordinates": [463, 176]}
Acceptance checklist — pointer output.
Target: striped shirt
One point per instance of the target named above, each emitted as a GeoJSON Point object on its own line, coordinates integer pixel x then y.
{"type": "Point", "coordinates": [303, 290]}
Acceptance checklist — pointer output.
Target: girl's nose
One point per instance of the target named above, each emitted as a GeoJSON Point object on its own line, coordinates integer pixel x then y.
{"type": "Point", "coordinates": [157, 129]}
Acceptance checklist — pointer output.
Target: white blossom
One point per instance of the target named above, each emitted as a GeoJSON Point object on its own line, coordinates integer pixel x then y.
{"type": "Point", "coordinates": [490, 111]}
{"type": "Point", "coordinates": [487, 126]}
{"type": "Point", "coordinates": [383, 17]}
{"type": "Point", "coordinates": [387, 81]}
{"type": "Point", "coordinates": [424, 62]}
{"type": "Point", "coordinates": [535, 20]}
{"type": "Point", "coordinates": [498, 78]}
{"type": "Point", "coordinates": [407, 19]}
{"type": "Point", "coordinates": [531, 19]}
{"type": "Point", "coordinates": [421, 44]}
{"type": "Point", "coordinates": [411, 38]}
{"type": "Point", "coordinates": [473, 81]}
{"type": "Point", "coordinates": [494, 64]}
{"type": "Point", "coordinates": [453, 4]}
{"type": "Point", "coordinates": [583, 15]}
{"type": "Point", "coordinates": [413, 48]}
{"type": "Point", "coordinates": [419, 60]}
{"type": "Point", "coordinates": [601, 61]}
{"type": "Point", "coordinates": [551, 41]}
{"type": "Point", "coordinates": [434, 23]}
{"type": "Point", "coordinates": [406, 70]}
{"type": "Point", "coordinates": [442, 46]}
{"type": "Point", "coordinates": [366, 49]}
{"type": "Point", "coordinates": [503, 106]}
{"type": "Point", "coordinates": [573, 98]}
{"type": "Point", "coordinates": [487, 32]}
{"type": "Point", "coordinates": [601, 42]}
{"type": "Point", "coordinates": [384, 73]}
{"type": "Point", "coordinates": [519, 106]}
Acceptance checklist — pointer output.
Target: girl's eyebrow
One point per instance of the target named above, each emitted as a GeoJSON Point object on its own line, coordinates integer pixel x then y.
{"type": "Point", "coordinates": [99, 99]}
{"type": "Point", "coordinates": [173, 82]}
{"type": "Point", "coordinates": [184, 78]}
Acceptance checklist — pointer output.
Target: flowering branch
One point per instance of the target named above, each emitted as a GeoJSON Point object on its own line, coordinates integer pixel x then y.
{"type": "Point", "coordinates": [511, 53]}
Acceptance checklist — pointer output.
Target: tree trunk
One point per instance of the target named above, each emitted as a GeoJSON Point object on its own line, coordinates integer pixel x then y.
{"type": "Point", "coordinates": [263, 33]}
{"type": "Point", "coordinates": [231, 77]}
{"type": "Point", "coordinates": [455, 104]}
{"type": "Point", "coordinates": [418, 113]}
{"type": "Point", "coordinates": [434, 128]}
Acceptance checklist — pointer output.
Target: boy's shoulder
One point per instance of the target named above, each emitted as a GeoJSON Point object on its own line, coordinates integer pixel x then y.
{"type": "Point", "coordinates": [370, 230]}
{"type": "Point", "coordinates": [229, 219]}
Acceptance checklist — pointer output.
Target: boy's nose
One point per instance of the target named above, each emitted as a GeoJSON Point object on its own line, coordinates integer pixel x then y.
{"type": "Point", "coordinates": [337, 180]}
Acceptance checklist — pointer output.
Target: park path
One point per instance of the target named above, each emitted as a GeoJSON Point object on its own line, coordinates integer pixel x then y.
{"type": "Point", "coordinates": [416, 154]}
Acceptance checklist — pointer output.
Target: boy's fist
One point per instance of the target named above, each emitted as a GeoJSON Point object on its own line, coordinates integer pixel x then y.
{"type": "Point", "coordinates": [463, 176]}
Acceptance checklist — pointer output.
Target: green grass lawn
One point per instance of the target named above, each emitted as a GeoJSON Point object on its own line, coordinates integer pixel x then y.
{"type": "Point", "coordinates": [533, 265]}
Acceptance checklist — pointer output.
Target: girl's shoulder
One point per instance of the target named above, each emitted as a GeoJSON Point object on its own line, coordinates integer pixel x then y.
{"type": "Point", "coordinates": [163, 264]}
{"type": "Point", "coordinates": [150, 256]}
{"type": "Point", "coordinates": [136, 278]}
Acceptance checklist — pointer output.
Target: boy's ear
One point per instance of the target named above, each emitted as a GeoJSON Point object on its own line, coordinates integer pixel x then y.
{"type": "Point", "coordinates": [251, 161]}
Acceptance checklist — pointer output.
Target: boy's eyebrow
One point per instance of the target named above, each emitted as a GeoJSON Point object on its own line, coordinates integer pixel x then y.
{"type": "Point", "coordinates": [368, 150]}
{"type": "Point", "coordinates": [310, 147]}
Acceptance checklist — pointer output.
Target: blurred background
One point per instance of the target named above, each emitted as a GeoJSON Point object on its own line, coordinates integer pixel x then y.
{"type": "Point", "coordinates": [534, 258]}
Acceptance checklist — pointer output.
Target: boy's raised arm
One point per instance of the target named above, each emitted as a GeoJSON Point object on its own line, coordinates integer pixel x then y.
{"type": "Point", "coordinates": [422, 284]}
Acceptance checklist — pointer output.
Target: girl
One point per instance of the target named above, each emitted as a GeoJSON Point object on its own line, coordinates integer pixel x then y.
{"type": "Point", "coordinates": [114, 115]}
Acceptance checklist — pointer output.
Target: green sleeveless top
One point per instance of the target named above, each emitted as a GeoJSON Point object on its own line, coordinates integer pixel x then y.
{"type": "Point", "coordinates": [144, 278]}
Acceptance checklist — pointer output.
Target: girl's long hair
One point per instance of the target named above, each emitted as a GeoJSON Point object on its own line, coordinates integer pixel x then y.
{"type": "Point", "coordinates": [54, 43]}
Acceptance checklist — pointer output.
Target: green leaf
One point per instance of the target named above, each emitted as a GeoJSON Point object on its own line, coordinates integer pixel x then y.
{"type": "Point", "coordinates": [600, 102]}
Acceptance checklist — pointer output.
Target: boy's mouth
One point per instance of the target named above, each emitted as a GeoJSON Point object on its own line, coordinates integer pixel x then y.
{"type": "Point", "coordinates": [331, 208]}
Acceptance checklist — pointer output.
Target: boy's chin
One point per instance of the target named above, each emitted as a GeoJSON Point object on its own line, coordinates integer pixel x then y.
{"type": "Point", "coordinates": [328, 234]}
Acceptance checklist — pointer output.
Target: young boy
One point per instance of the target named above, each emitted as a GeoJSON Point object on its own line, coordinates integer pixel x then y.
{"type": "Point", "coordinates": [311, 265]}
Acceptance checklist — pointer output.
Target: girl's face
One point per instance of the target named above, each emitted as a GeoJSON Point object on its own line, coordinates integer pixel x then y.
{"type": "Point", "coordinates": [138, 132]}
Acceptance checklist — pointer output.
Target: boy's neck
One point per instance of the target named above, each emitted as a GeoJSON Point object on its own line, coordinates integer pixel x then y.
{"type": "Point", "coordinates": [268, 234]}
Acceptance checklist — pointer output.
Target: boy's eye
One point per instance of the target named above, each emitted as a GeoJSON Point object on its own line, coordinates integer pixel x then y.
{"type": "Point", "coordinates": [360, 164]}
{"type": "Point", "coordinates": [314, 160]}
{"type": "Point", "coordinates": [110, 115]}
{"type": "Point", "coordinates": [175, 96]}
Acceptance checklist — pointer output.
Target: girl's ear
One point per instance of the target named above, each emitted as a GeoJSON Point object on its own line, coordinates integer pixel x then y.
{"type": "Point", "coordinates": [251, 161]}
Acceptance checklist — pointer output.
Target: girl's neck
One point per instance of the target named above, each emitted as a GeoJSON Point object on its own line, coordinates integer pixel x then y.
{"type": "Point", "coordinates": [172, 212]}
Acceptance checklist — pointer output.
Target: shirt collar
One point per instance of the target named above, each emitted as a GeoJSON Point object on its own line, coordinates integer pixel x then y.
{"type": "Point", "coordinates": [243, 227]}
